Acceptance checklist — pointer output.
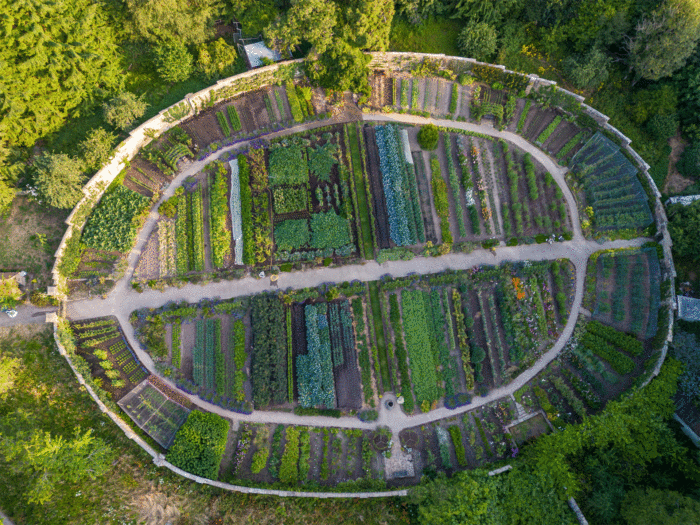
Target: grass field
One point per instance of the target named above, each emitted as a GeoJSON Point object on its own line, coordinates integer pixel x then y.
{"type": "Point", "coordinates": [431, 36]}
{"type": "Point", "coordinates": [31, 233]}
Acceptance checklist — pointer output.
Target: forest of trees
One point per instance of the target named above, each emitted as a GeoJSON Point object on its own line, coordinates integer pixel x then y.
{"type": "Point", "coordinates": [77, 74]}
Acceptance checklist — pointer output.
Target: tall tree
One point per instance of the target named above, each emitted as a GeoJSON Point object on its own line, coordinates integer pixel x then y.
{"type": "Point", "coordinates": [660, 507]}
{"type": "Point", "coordinates": [59, 179]}
{"type": "Point", "coordinates": [54, 459]}
{"type": "Point", "coordinates": [665, 39]}
{"type": "Point", "coordinates": [187, 21]}
{"type": "Point", "coordinates": [367, 23]}
{"type": "Point", "coordinates": [310, 20]}
{"type": "Point", "coordinates": [122, 110]}
{"type": "Point", "coordinates": [55, 57]}
{"type": "Point", "coordinates": [341, 67]}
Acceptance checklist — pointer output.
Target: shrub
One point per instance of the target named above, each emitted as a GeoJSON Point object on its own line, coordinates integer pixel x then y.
{"type": "Point", "coordinates": [199, 444]}
{"type": "Point", "coordinates": [477, 40]}
{"type": "Point", "coordinates": [112, 224]}
{"type": "Point", "coordinates": [292, 234]}
{"type": "Point", "coordinates": [123, 109]}
{"type": "Point", "coordinates": [329, 230]}
{"type": "Point", "coordinates": [173, 61]}
{"type": "Point", "coordinates": [428, 137]}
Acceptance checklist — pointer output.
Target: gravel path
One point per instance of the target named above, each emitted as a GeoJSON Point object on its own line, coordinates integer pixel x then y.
{"type": "Point", "coordinates": [123, 300]}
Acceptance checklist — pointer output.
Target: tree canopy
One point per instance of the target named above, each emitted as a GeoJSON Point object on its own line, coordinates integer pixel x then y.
{"type": "Point", "coordinates": [54, 459]}
{"type": "Point", "coordinates": [185, 21]}
{"type": "Point", "coordinates": [665, 39]}
{"type": "Point", "coordinates": [684, 225]}
{"type": "Point", "coordinates": [59, 179]}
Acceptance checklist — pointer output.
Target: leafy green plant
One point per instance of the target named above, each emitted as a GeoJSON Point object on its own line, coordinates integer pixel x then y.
{"type": "Point", "coordinates": [112, 225]}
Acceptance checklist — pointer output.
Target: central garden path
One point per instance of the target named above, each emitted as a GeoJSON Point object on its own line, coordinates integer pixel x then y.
{"type": "Point", "coordinates": [123, 299]}
{"type": "Point", "coordinates": [121, 302]}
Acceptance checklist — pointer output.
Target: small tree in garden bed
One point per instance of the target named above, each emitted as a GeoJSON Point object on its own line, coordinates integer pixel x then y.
{"type": "Point", "coordinates": [428, 137]}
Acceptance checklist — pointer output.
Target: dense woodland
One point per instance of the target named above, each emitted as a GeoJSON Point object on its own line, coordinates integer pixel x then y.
{"type": "Point", "coordinates": [79, 74]}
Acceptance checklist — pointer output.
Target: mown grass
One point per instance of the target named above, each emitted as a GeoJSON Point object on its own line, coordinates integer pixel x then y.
{"type": "Point", "coordinates": [431, 36]}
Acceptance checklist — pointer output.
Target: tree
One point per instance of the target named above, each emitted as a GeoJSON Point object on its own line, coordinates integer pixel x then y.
{"type": "Point", "coordinates": [664, 40]}
{"type": "Point", "coordinates": [477, 40]}
{"type": "Point", "coordinates": [9, 293]}
{"type": "Point", "coordinates": [173, 61]}
{"type": "Point", "coordinates": [217, 58]}
{"type": "Point", "coordinates": [684, 225]}
{"type": "Point", "coordinates": [55, 57]}
{"type": "Point", "coordinates": [123, 109]}
{"type": "Point", "coordinates": [417, 10]}
{"type": "Point", "coordinates": [158, 21]}
{"type": "Point", "coordinates": [97, 148]}
{"type": "Point", "coordinates": [689, 163]}
{"type": "Point", "coordinates": [50, 460]}
{"type": "Point", "coordinates": [8, 372]}
{"type": "Point", "coordinates": [662, 127]}
{"type": "Point", "coordinates": [59, 179]}
{"type": "Point", "coordinates": [588, 71]}
{"type": "Point", "coordinates": [660, 507]}
{"type": "Point", "coordinates": [255, 15]}
{"type": "Point", "coordinates": [428, 136]}
{"type": "Point", "coordinates": [7, 195]}
{"type": "Point", "coordinates": [367, 23]}
{"type": "Point", "coordinates": [599, 23]}
{"type": "Point", "coordinates": [488, 11]}
{"type": "Point", "coordinates": [341, 67]}
{"type": "Point", "coordinates": [311, 20]}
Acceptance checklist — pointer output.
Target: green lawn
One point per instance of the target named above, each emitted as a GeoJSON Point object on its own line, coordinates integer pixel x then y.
{"type": "Point", "coordinates": [431, 36]}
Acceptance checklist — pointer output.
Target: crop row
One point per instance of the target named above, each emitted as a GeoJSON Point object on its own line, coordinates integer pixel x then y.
{"type": "Point", "coordinates": [442, 204]}
{"type": "Point", "coordinates": [418, 345]}
{"type": "Point", "coordinates": [181, 237]}
{"type": "Point", "coordinates": [176, 342]}
{"type": "Point", "coordinates": [197, 219]}
{"type": "Point", "coordinates": [402, 358]}
{"type": "Point", "coordinates": [454, 185]}
{"type": "Point", "coordinates": [401, 224]}
{"type": "Point", "coordinates": [219, 234]}
{"type": "Point", "coordinates": [363, 351]}
{"type": "Point", "coordinates": [315, 380]}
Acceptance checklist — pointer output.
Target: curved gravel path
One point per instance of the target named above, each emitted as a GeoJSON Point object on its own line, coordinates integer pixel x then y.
{"type": "Point", "coordinates": [123, 299]}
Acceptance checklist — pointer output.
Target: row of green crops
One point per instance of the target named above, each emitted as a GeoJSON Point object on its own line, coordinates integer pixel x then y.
{"type": "Point", "coordinates": [397, 191]}
{"type": "Point", "coordinates": [362, 208]}
{"type": "Point", "coordinates": [418, 345]}
{"type": "Point", "coordinates": [112, 225]}
{"type": "Point", "coordinates": [442, 204]}
{"type": "Point", "coordinates": [182, 245]}
{"type": "Point", "coordinates": [197, 219]}
{"type": "Point", "coordinates": [269, 350]}
{"type": "Point", "coordinates": [363, 351]}
{"type": "Point", "coordinates": [199, 444]}
{"type": "Point", "coordinates": [287, 165]}
{"type": "Point", "coordinates": [219, 234]}
{"type": "Point", "coordinates": [315, 380]}
{"type": "Point", "coordinates": [288, 199]}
